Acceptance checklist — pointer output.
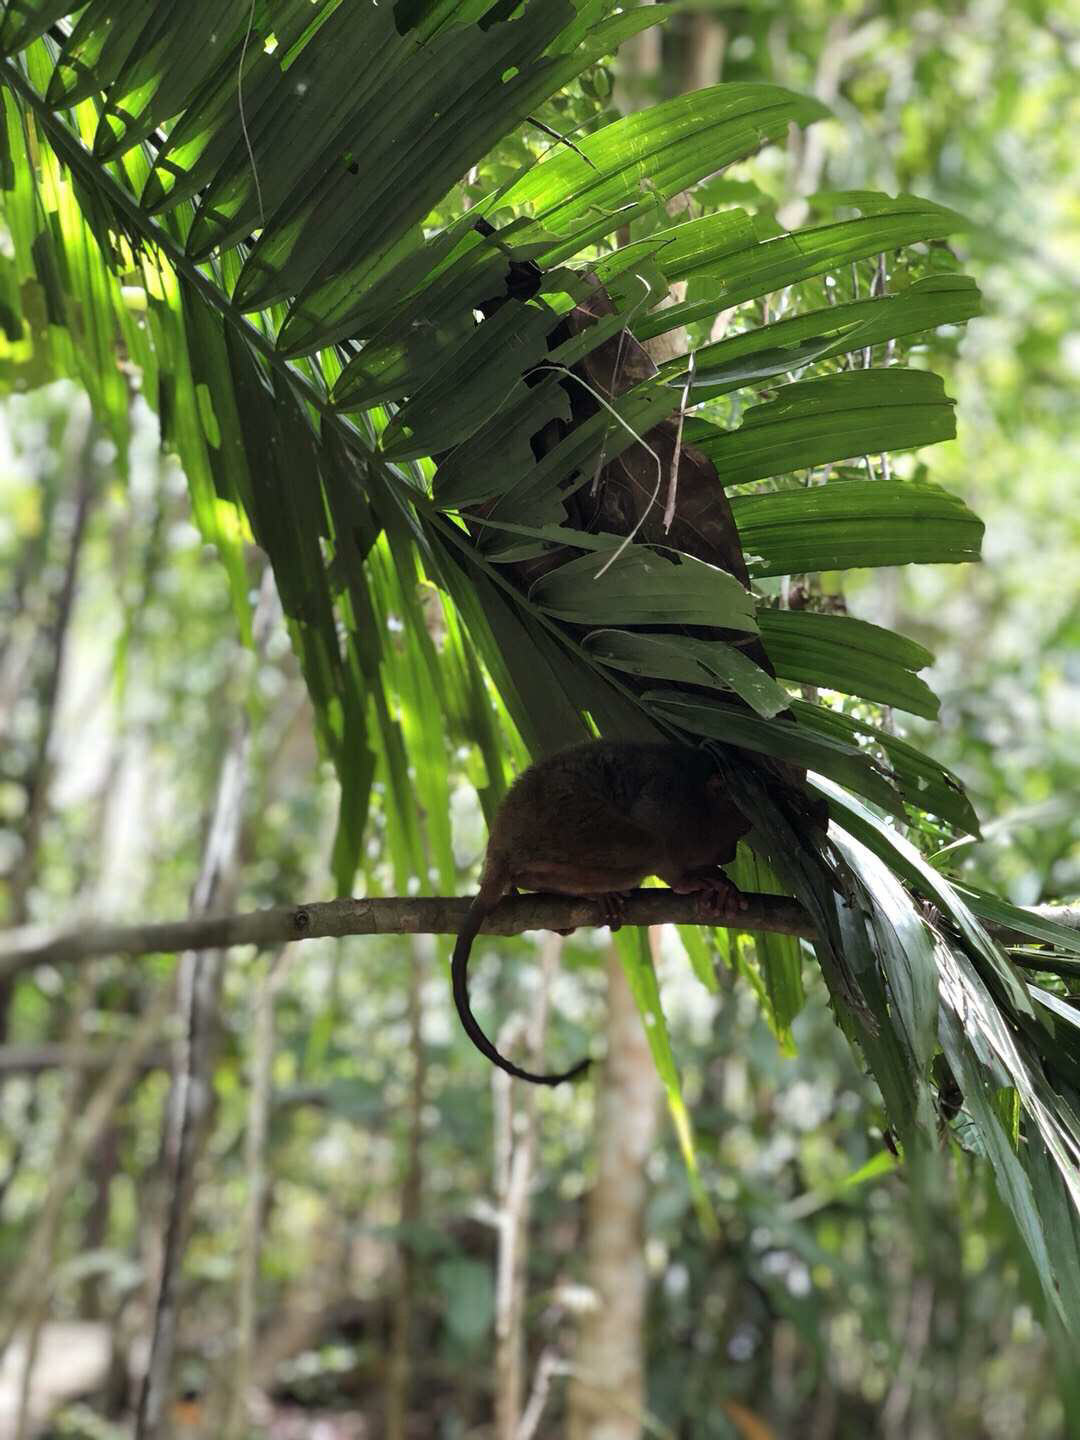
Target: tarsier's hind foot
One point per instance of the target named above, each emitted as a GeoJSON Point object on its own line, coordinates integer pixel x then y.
{"type": "Point", "coordinates": [725, 902]}
{"type": "Point", "coordinates": [613, 908]}
{"type": "Point", "coordinates": [722, 897]}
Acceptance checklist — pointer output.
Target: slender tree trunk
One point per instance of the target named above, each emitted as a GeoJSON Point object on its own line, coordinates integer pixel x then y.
{"type": "Point", "coordinates": [606, 1397]}
{"type": "Point", "coordinates": [51, 644]}
{"type": "Point", "coordinates": [399, 1367]}
{"type": "Point", "coordinates": [703, 52]}
{"type": "Point", "coordinates": [517, 1122]}
{"type": "Point", "coordinates": [638, 70]}
{"type": "Point", "coordinates": [261, 1090]}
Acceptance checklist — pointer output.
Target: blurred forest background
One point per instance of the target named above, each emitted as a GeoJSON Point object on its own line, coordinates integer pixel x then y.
{"type": "Point", "coordinates": [418, 1216]}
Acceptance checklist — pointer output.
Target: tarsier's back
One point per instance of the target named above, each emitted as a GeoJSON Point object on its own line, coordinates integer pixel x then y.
{"type": "Point", "coordinates": [621, 804]}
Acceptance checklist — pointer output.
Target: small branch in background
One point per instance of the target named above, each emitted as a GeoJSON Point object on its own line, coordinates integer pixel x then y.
{"type": "Point", "coordinates": [550, 1365]}
{"type": "Point", "coordinates": [35, 1059]}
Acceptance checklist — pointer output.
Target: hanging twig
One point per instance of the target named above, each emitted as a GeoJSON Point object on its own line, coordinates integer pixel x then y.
{"type": "Point", "coordinates": [676, 454]}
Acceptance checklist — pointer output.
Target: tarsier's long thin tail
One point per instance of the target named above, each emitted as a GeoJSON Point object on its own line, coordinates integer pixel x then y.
{"type": "Point", "coordinates": [483, 904]}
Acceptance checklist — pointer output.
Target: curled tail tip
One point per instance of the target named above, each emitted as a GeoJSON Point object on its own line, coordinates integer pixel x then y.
{"type": "Point", "coordinates": [459, 976]}
{"type": "Point", "coordinates": [571, 1074]}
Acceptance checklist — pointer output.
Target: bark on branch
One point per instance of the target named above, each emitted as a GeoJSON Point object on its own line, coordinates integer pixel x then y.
{"type": "Point", "coordinates": [34, 945]}
{"type": "Point", "coordinates": [27, 946]}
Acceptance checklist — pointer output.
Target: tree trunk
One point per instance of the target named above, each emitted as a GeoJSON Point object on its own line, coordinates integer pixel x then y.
{"type": "Point", "coordinates": [606, 1397]}
{"type": "Point", "coordinates": [516, 1126]}
{"type": "Point", "coordinates": [703, 53]}
{"type": "Point", "coordinates": [242, 1365]}
{"type": "Point", "coordinates": [638, 70]}
{"type": "Point", "coordinates": [399, 1368]}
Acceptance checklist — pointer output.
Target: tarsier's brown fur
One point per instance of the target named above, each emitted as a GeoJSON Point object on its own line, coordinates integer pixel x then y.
{"type": "Point", "coordinates": [596, 820]}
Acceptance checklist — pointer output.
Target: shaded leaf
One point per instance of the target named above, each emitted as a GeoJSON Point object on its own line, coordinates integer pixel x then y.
{"type": "Point", "coordinates": [696, 662]}
{"type": "Point", "coordinates": [644, 585]}
{"type": "Point", "coordinates": [778, 737]}
{"type": "Point", "coordinates": [904, 860]}
{"type": "Point", "coordinates": [921, 780]}
{"type": "Point", "coordinates": [639, 162]}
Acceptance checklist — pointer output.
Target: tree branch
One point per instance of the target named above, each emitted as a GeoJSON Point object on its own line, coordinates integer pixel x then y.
{"type": "Point", "coordinates": [35, 1059]}
{"type": "Point", "coordinates": [23, 948]}
{"type": "Point", "coordinates": [27, 946]}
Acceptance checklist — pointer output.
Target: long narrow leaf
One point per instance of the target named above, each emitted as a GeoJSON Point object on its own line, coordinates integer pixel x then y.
{"type": "Point", "coordinates": [814, 422]}
{"type": "Point", "coordinates": [855, 523]}
{"type": "Point", "coordinates": [839, 652]}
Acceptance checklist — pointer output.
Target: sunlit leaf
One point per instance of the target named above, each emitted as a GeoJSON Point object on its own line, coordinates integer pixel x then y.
{"type": "Point", "coordinates": [814, 422]}
{"type": "Point", "coordinates": [852, 523]}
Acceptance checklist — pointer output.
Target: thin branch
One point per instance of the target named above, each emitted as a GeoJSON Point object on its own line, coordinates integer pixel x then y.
{"type": "Point", "coordinates": [32, 1272]}
{"type": "Point", "coordinates": [548, 1367]}
{"type": "Point", "coordinates": [35, 1059]}
{"type": "Point", "coordinates": [413, 915]}
{"type": "Point", "coordinates": [25, 947]}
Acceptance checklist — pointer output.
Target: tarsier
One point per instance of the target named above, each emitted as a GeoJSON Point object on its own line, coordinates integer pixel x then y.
{"type": "Point", "coordinates": [596, 820]}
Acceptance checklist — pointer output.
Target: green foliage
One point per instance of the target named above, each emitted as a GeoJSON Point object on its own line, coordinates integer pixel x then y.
{"type": "Point", "coordinates": [266, 226]}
